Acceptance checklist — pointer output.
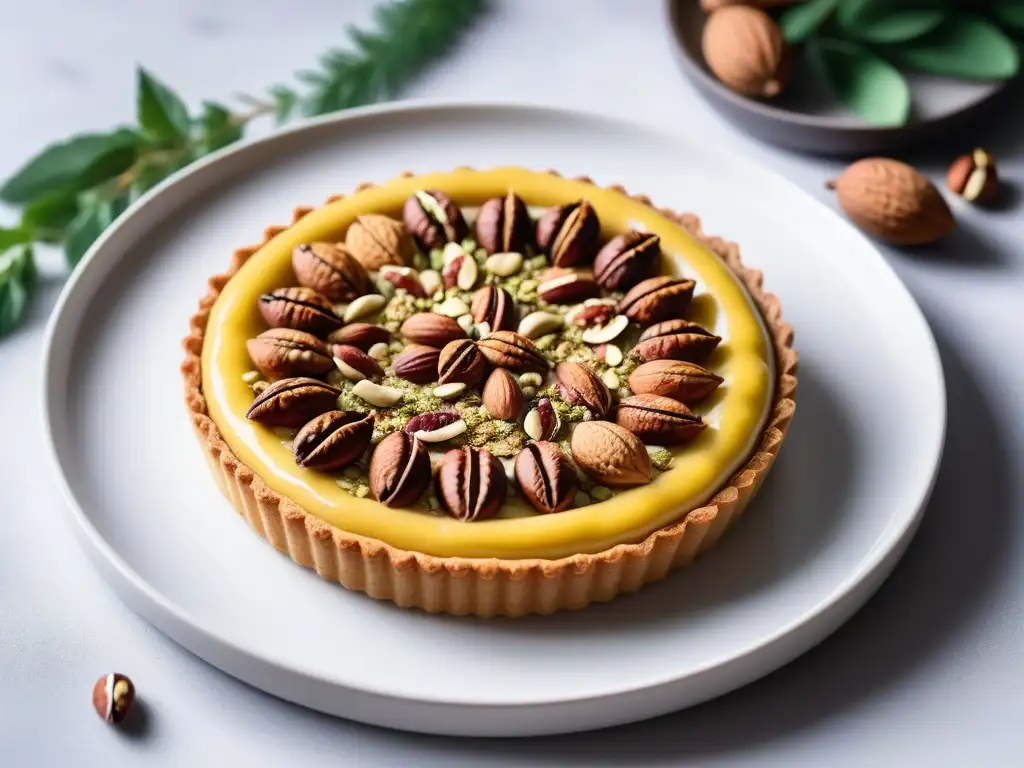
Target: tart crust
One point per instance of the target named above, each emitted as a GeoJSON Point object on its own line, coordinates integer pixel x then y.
{"type": "Point", "coordinates": [487, 587]}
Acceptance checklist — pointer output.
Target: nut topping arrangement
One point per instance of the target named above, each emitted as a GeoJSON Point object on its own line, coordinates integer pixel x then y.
{"type": "Point", "coordinates": [430, 369]}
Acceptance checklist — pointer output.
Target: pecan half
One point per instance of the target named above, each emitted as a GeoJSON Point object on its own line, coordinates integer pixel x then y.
{"type": "Point", "coordinates": [333, 440]}
{"type": "Point", "coordinates": [566, 286]}
{"type": "Point", "coordinates": [546, 477]}
{"type": "Point", "coordinates": [678, 379]}
{"type": "Point", "coordinates": [460, 360]}
{"type": "Point", "coordinates": [569, 233]}
{"type": "Point", "coordinates": [659, 420]}
{"type": "Point", "coordinates": [508, 349]}
{"type": "Point", "coordinates": [494, 306]}
{"type": "Point", "coordinates": [627, 259]}
{"type": "Point", "coordinates": [418, 364]}
{"type": "Point", "coordinates": [433, 219]}
{"type": "Point", "coordinates": [676, 340]}
{"type": "Point", "coordinates": [399, 470]}
{"type": "Point", "coordinates": [657, 298]}
{"type": "Point", "coordinates": [301, 309]}
{"type": "Point", "coordinates": [502, 396]}
{"type": "Point", "coordinates": [356, 365]}
{"type": "Point", "coordinates": [610, 454]}
{"type": "Point", "coordinates": [431, 329]}
{"type": "Point", "coordinates": [361, 335]}
{"type": "Point", "coordinates": [578, 385]}
{"type": "Point", "coordinates": [375, 240]}
{"type": "Point", "coordinates": [503, 224]}
{"type": "Point", "coordinates": [471, 484]}
{"type": "Point", "coordinates": [279, 353]}
{"type": "Point", "coordinates": [330, 270]}
{"type": "Point", "coordinates": [292, 402]}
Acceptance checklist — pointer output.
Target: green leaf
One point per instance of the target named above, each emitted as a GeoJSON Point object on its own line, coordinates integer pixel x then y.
{"type": "Point", "coordinates": [1009, 13]}
{"type": "Point", "coordinates": [161, 112]}
{"type": "Point", "coordinates": [17, 286]}
{"type": "Point", "coordinates": [219, 127]}
{"type": "Point", "coordinates": [964, 46]}
{"type": "Point", "coordinates": [284, 102]}
{"type": "Point", "coordinates": [96, 215]}
{"type": "Point", "coordinates": [877, 21]}
{"type": "Point", "coordinates": [798, 22]}
{"type": "Point", "coordinates": [9, 237]}
{"type": "Point", "coordinates": [76, 164]}
{"type": "Point", "coordinates": [49, 214]}
{"type": "Point", "coordinates": [868, 85]}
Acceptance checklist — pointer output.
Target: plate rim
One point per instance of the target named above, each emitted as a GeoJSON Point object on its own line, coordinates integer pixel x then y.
{"type": "Point", "coordinates": [186, 630]}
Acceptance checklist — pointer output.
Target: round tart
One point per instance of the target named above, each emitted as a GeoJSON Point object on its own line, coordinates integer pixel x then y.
{"type": "Point", "coordinates": [490, 392]}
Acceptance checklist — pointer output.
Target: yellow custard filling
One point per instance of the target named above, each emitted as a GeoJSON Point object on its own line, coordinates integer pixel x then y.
{"type": "Point", "coordinates": [700, 467]}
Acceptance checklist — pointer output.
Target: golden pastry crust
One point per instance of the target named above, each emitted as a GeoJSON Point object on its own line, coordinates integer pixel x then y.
{"type": "Point", "coordinates": [488, 587]}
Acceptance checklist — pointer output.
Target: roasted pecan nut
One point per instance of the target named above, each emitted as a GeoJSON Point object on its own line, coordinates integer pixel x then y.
{"type": "Point", "coordinates": [578, 385]}
{"type": "Point", "coordinates": [330, 270]}
{"type": "Point", "coordinates": [399, 470]}
{"type": "Point", "coordinates": [659, 420]}
{"type": "Point", "coordinates": [279, 353]}
{"type": "Point", "coordinates": [375, 240]}
{"type": "Point", "coordinates": [418, 364]}
{"type": "Point", "coordinates": [569, 233]}
{"type": "Point", "coordinates": [460, 360]}
{"type": "Point", "coordinates": [333, 440]}
{"type": "Point", "coordinates": [494, 306]}
{"type": "Point", "coordinates": [676, 340]}
{"type": "Point", "coordinates": [361, 335]}
{"type": "Point", "coordinates": [502, 396]}
{"type": "Point", "coordinates": [436, 427]}
{"type": "Point", "coordinates": [627, 259]}
{"type": "Point", "coordinates": [678, 379]}
{"type": "Point", "coordinates": [292, 402]}
{"type": "Point", "coordinates": [508, 349]}
{"type": "Point", "coordinates": [566, 286]}
{"type": "Point", "coordinates": [546, 477]}
{"type": "Point", "coordinates": [433, 219]}
{"type": "Point", "coordinates": [471, 484]}
{"type": "Point", "coordinates": [503, 225]}
{"type": "Point", "coordinates": [610, 454]}
{"type": "Point", "coordinates": [301, 309]}
{"type": "Point", "coordinates": [431, 329]}
{"type": "Point", "coordinates": [356, 365]}
{"type": "Point", "coordinates": [657, 298]}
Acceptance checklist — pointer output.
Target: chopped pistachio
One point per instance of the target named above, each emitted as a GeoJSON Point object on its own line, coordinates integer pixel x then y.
{"type": "Point", "coordinates": [251, 377]}
{"type": "Point", "coordinates": [600, 493]}
{"type": "Point", "coordinates": [581, 500]}
{"type": "Point", "coordinates": [352, 472]}
{"type": "Point", "coordinates": [362, 491]}
{"type": "Point", "coordinates": [661, 460]}
{"type": "Point", "coordinates": [437, 259]}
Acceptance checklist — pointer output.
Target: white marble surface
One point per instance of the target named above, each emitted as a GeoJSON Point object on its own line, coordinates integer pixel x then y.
{"type": "Point", "coordinates": [928, 673]}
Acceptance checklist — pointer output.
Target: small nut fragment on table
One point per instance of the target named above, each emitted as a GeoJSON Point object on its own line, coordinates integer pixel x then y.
{"type": "Point", "coordinates": [974, 178]}
{"type": "Point", "coordinates": [504, 264]}
{"type": "Point", "coordinates": [430, 279]}
{"type": "Point", "coordinates": [546, 478]}
{"type": "Point", "coordinates": [449, 391]}
{"type": "Point", "coordinates": [537, 324]}
{"type": "Point", "coordinates": [399, 470]}
{"type": "Point", "coordinates": [379, 351]}
{"type": "Point", "coordinates": [377, 394]}
{"type": "Point", "coordinates": [605, 332]}
{"type": "Point", "coordinates": [451, 307]}
{"type": "Point", "coordinates": [112, 697]}
{"type": "Point", "coordinates": [405, 278]}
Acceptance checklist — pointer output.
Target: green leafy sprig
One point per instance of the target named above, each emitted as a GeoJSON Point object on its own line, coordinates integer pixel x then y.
{"type": "Point", "coordinates": [74, 189]}
{"type": "Point", "coordinates": [862, 47]}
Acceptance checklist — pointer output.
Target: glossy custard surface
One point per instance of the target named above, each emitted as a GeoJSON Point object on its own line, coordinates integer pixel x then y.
{"type": "Point", "coordinates": [735, 413]}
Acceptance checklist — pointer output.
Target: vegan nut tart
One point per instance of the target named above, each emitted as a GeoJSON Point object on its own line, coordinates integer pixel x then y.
{"type": "Point", "coordinates": [494, 392]}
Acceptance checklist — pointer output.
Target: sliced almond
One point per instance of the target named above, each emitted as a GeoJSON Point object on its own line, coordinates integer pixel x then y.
{"type": "Point", "coordinates": [613, 355]}
{"type": "Point", "coordinates": [610, 379]}
{"type": "Point", "coordinates": [448, 432]}
{"type": "Point", "coordinates": [451, 252]}
{"type": "Point", "coordinates": [377, 394]}
{"type": "Point", "coordinates": [430, 279]}
{"type": "Point", "coordinates": [452, 307]}
{"type": "Point", "coordinates": [450, 390]}
{"type": "Point", "coordinates": [504, 264]}
{"type": "Point", "coordinates": [532, 425]}
{"type": "Point", "coordinates": [602, 334]}
{"type": "Point", "coordinates": [364, 306]}
{"type": "Point", "coordinates": [348, 371]}
{"type": "Point", "coordinates": [536, 324]}
{"type": "Point", "coordinates": [468, 274]}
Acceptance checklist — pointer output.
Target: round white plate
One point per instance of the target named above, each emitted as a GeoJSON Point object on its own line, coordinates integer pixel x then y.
{"type": "Point", "coordinates": [829, 525]}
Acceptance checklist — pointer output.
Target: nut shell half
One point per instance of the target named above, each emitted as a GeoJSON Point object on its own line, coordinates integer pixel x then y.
{"type": "Point", "coordinates": [399, 470]}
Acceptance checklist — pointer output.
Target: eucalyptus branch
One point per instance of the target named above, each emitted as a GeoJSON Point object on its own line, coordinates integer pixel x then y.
{"type": "Point", "coordinates": [73, 190]}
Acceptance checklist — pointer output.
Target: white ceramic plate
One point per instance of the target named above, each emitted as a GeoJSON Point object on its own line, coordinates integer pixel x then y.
{"type": "Point", "coordinates": [836, 513]}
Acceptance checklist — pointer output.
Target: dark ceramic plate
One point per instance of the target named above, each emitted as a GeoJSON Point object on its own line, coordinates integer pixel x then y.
{"type": "Point", "coordinates": [806, 117]}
